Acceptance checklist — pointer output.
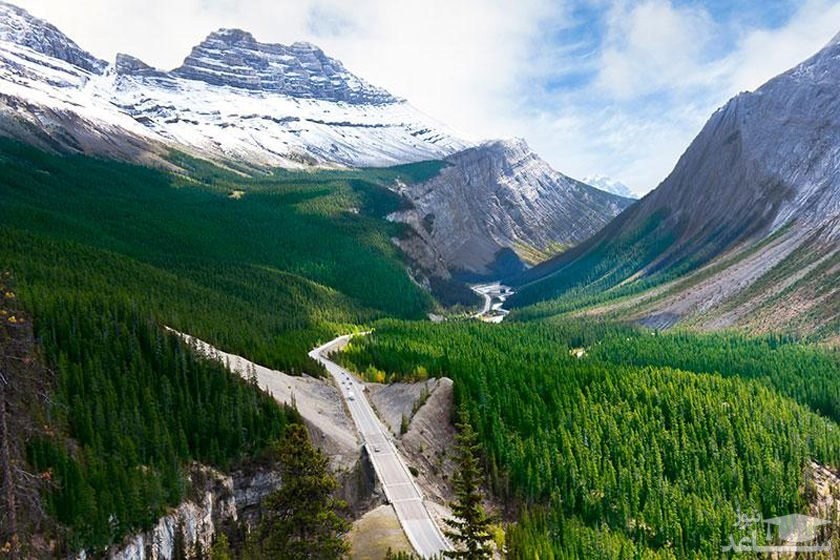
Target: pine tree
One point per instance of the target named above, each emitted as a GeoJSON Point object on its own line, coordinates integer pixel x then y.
{"type": "Point", "coordinates": [301, 519]}
{"type": "Point", "coordinates": [221, 548]}
{"type": "Point", "coordinates": [469, 529]}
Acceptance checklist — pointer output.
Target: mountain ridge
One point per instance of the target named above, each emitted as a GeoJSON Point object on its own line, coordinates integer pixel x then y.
{"type": "Point", "coordinates": [233, 99]}
{"type": "Point", "coordinates": [233, 57]}
{"type": "Point", "coordinates": [499, 205]}
{"type": "Point", "coordinates": [756, 195]}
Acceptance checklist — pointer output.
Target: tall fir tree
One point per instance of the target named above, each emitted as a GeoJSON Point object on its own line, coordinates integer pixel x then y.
{"type": "Point", "coordinates": [301, 520]}
{"type": "Point", "coordinates": [469, 528]}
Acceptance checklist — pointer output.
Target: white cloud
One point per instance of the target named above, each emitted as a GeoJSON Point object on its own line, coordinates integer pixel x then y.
{"type": "Point", "coordinates": [763, 54]}
{"type": "Point", "coordinates": [661, 73]}
{"type": "Point", "coordinates": [457, 61]}
{"type": "Point", "coordinates": [493, 68]}
{"type": "Point", "coordinates": [652, 46]}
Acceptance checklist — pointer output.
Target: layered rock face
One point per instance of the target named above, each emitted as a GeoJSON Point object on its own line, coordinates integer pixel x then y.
{"type": "Point", "coordinates": [18, 27]}
{"type": "Point", "coordinates": [501, 201]}
{"type": "Point", "coordinates": [232, 57]}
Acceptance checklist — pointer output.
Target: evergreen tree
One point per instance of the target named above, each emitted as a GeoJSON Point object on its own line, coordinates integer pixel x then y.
{"type": "Point", "coordinates": [469, 529]}
{"type": "Point", "coordinates": [221, 548]}
{"type": "Point", "coordinates": [301, 519]}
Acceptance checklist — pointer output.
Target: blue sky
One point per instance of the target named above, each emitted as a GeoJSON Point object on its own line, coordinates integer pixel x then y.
{"type": "Point", "coordinates": [609, 87]}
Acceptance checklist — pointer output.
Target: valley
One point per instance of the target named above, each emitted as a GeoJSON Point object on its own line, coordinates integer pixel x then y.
{"type": "Point", "coordinates": [256, 307]}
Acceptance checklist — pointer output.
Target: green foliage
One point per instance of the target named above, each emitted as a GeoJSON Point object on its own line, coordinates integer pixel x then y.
{"type": "Point", "coordinates": [268, 275]}
{"type": "Point", "coordinates": [221, 548]}
{"type": "Point", "coordinates": [631, 453]}
{"type": "Point", "coordinates": [107, 253]}
{"type": "Point", "coordinates": [594, 271]}
{"type": "Point", "coordinates": [469, 526]}
{"type": "Point", "coordinates": [138, 404]}
{"type": "Point", "coordinates": [301, 520]}
{"type": "Point", "coordinates": [549, 536]}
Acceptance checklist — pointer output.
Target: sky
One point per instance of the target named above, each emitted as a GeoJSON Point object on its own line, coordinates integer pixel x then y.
{"type": "Point", "coordinates": [596, 87]}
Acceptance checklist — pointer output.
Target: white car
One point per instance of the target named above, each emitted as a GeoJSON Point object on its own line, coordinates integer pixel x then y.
{"type": "Point", "coordinates": [351, 396]}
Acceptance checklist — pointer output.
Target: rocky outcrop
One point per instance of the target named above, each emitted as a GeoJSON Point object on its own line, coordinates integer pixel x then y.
{"type": "Point", "coordinates": [232, 57]}
{"type": "Point", "coordinates": [497, 204]}
{"type": "Point", "coordinates": [188, 531]}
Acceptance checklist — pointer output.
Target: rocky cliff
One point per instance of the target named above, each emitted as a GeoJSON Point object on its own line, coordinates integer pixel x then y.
{"type": "Point", "coordinates": [498, 205]}
{"type": "Point", "coordinates": [232, 57]}
{"type": "Point", "coordinates": [188, 531]}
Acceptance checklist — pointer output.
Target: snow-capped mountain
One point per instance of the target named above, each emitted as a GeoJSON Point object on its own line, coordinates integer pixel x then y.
{"type": "Point", "coordinates": [752, 208]}
{"type": "Point", "coordinates": [234, 98]}
{"type": "Point", "coordinates": [497, 205]}
{"type": "Point", "coordinates": [231, 57]}
{"type": "Point", "coordinates": [609, 185]}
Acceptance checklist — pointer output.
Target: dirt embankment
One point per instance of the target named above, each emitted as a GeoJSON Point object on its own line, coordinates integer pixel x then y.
{"type": "Point", "coordinates": [428, 442]}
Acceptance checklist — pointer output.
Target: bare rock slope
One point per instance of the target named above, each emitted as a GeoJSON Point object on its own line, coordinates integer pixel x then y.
{"type": "Point", "coordinates": [497, 205]}
{"type": "Point", "coordinates": [747, 224]}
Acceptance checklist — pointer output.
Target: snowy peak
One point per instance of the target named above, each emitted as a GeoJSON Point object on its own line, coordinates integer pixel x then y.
{"type": "Point", "coordinates": [127, 65]}
{"type": "Point", "coordinates": [233, 99]}
{"type": "Point", "coordinates": [232, 57]}
{"type": "Point", "coordinates": [20, 28]}
{"type": "Point", "coordinates": [610, 185]}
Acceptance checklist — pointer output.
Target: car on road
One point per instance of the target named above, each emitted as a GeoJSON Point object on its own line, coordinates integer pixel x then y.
{"type": "Point", "coordinates": [351, 396]}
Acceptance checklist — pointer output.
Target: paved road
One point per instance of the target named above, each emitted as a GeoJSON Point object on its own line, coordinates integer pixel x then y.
{"type": "Point", "coordinates": [400, 489]}
{"type": "Point", "coordinates": [494, 291]}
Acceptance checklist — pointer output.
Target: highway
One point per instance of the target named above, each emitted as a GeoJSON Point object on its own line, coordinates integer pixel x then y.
{"type": "Point", "coordinates": [400, 489]}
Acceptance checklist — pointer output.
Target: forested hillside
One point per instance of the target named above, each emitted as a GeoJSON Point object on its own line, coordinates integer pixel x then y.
{"type": "Point", "coordinates": [103, 255]}
{"type": "Point", "coordinates": [617, 441]}
{"type": "Point", "coordinates": [235, 261]}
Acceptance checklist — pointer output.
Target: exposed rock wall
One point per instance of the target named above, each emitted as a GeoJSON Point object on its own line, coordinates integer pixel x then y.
{"type": "Point", "coordinates": [497, 199]}
{"type": "Point", "coordinates": [188, 530]}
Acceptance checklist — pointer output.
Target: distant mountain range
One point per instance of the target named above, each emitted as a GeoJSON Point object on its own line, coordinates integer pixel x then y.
{"type": "Point", "coordinates": [609, 185]}
{"type": "Point", "coordinates": [252, 106]}
{"type": "Point", "coordinates": [745, 231]}
{"type": "Point", "coordinates": [233, 100]}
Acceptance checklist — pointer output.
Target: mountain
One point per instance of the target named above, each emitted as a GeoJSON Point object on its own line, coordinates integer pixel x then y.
{"type": "Point", "coordinates": [233, 99]}
{"type": "Point", "coordinates": [609, 185]}
{"type": "Point", "coordinates": [745, 229]}
{"type": "Point", "coordinates": [497, 205]}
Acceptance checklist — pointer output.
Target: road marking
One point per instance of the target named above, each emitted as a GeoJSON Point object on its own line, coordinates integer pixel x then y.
{"type": "Point", "coordinates": [401, 490]}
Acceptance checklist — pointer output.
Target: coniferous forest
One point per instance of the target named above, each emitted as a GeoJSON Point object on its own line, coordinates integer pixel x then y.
{"type": "Point", "coordinates": [601, 440]}
{"type": "Point", "coordinates": [615, 442]}
{"type": "Point", "coordinates": [104, 255]}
